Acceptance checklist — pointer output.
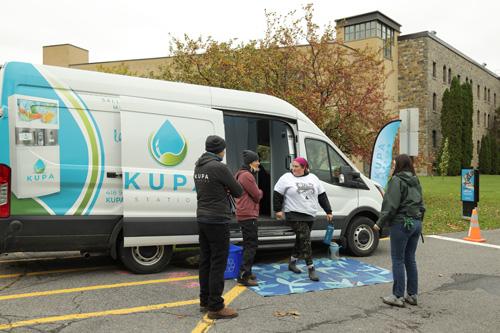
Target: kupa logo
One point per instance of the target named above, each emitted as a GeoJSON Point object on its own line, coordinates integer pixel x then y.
{"type": "Point", "coordinates": [40, 175]}
{"type": "Point", "coordinates": [167, 146]}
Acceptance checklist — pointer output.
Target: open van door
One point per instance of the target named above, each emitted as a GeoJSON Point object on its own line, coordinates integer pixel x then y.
{"type": "Point", "coordinates": [161, 142]}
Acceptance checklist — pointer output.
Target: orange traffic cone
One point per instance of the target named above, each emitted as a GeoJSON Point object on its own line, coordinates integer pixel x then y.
{"type": "Point", "coordinates": [474, 230]}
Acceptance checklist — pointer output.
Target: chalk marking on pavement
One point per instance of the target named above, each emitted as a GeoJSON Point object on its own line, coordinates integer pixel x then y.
{"type": "Point", "coordinates": [55, 271]}
{"type": "Point", "coordinates": [205, 324]}
{"type": "Point", "coordinates": [464, 241]}
{"type": "Point", "coordinates": [76, 316]}
{"type": "Point", "coordinates": [96, 287]}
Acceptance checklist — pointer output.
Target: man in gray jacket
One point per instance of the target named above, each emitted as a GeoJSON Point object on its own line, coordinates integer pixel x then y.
{"type": "Point", "coordinates": [214, 184]}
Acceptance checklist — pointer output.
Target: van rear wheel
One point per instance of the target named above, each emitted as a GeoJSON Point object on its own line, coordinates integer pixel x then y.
{"type": "Point", "coordinates": [145, 259]}
{"type": "Point", "coordinates": [361, 239]}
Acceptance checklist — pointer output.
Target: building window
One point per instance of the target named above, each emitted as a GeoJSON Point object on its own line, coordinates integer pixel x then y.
{"type": "Point", "coordinates": [478, 92]}
{"type": "Point", "coordinates": [484, 123]}
{"type": "Point", "coordinates": [489, 99]}
{"type": "Point", "coordinates": [488, 121]}
{"type": "Point", "coordinates": [449, 75]}
{"type": "Point", "coordinates": [444, 74]}
{"type": "Point", "coordinates": [478, 118]}
{"type": "Point", "coordinates": [466, 79]}
{"type": "Point", "coordinates": [363, 30]}
{"type": "Point", "coordinates": [478, 145]}
{"type": "Point", "coordinates": [434, 102]}
{"type": "Point", "coordinates": [484, 93]}
{"type": "Point", "coordinates": [434, 139]}
{"type": "Point", "coordinates": [458, 76]}
{"type": "Point", "coordinates": [433, 69]}
{"type": "Point", "coordinates": [371, 29]}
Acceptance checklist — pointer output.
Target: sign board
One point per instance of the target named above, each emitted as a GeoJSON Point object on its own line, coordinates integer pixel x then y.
{"type": "Point", "coordinates": [408, 137]}
{"type": "Point", "coordinates": [467, 185]}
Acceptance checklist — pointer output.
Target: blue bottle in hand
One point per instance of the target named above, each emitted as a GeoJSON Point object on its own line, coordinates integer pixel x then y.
{"type": "Point", "coordinates": [328, 234]}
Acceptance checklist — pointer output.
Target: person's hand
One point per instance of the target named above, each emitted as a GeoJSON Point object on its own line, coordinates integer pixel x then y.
{"type": "Point", "coordinates": [329, 217]}
{"type": "Point", "coordinates": [280, 215]}
{"type": "Point", "coordinates": [376, 227]}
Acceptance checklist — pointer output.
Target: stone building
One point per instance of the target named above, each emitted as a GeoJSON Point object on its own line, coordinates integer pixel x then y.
{"type": "Point", "coordinates": [427, 65]}
{"type": "Point", "coordinates": [419, 67]}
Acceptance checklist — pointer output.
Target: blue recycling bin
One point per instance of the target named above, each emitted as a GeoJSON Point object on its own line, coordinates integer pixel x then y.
{"type": "Point", "coordinates": [233, 262]}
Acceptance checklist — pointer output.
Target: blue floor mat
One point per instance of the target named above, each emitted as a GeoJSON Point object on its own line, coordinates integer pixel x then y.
{"type": "Point", "coordinates": [276, 279]}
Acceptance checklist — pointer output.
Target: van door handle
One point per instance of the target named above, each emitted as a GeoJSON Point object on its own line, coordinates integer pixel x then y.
{"type": "Point", "coordinates": [113, 175]}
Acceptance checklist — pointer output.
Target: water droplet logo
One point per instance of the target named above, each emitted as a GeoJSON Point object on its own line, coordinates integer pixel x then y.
{"type": "Point", "coordinates": [167, 146]}
{"type": "Point", "coordinates": [39, 167]}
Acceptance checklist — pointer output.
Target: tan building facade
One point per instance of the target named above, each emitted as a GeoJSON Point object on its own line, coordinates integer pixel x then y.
{"type": "Point", "coordinates": [418, 68]}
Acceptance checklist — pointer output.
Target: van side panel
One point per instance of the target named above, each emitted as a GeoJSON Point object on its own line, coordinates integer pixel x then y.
{"type": "Point", "coordinates": [161, 142]}
{"type": "Point", "coordinates": [55, 148]}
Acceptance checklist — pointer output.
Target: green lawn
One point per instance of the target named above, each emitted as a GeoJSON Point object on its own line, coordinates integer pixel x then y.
{"type": "Point", "coordinates": [444, 208]}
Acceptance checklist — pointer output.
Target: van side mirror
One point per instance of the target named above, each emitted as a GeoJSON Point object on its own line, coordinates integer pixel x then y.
{"type": "Point", "coordinates": [350, 178]}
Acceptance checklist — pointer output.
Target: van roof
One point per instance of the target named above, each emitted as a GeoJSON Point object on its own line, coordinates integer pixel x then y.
{"type": "Point", "coordinates": [122, 85]}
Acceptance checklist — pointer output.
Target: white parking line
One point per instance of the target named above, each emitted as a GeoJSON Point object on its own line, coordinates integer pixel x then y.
{"type": "Point", "coordinates": [464, 241]}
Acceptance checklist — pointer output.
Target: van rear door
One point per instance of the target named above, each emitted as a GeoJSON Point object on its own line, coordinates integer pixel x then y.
{"type": "Point", "coordinates": [161, 142]}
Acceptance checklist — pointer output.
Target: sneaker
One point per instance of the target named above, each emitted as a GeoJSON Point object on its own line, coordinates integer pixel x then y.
{"type": "Point", "coordinates": [411, 299]}
{"type": "Point", "coordinates": [247, 282]}
{"type": "Point", "coordinates": [224, 313]}
{"type": "Point", "coordinates": [394, 301]}
{"type": "Point", "coordinates": [293, 267]}
{"type": "Point", "coordinates": [312, 274]}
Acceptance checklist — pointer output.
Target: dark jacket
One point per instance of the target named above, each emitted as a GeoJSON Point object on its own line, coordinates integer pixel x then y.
{"type": "Point", "coordinates": [403, 198]}
{"type": "Point", "coordinates": [214, 183]}
{"type": "Point", "coordinates": [247, 206]}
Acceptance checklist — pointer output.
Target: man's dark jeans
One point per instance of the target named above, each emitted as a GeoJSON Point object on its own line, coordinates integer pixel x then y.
{"type": "Point", "coordinates": [250, 239]}
{"type": "Point", "coordinates": [214, 249]}
{"type": "Point", "coordinates": [403, 247]}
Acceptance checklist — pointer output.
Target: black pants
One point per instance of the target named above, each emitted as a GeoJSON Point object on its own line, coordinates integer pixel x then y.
{"type": "Point", "coordinates": [214, 249]}
{"type": "Point", "coordinates": [302, 248]}
{"type": "Point", "coordinates": [250, 239]}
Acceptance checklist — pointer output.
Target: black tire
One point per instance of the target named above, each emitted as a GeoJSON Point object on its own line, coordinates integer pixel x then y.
{"type": "Point", "coordinates": [362, 240]}
{"type": "Point", "coordinates": [145, 259]}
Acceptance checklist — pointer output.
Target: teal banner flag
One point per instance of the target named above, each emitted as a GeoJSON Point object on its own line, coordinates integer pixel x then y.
{"type": "Point", "coordinates": [382, 153]}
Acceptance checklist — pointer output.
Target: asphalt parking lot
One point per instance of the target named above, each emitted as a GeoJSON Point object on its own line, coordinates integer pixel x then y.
{"type": "Point", "coordinates": [63, 292]}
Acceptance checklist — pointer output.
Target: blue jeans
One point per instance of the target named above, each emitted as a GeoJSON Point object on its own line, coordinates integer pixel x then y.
{"type": "Point", "coordinates": [403, 247]}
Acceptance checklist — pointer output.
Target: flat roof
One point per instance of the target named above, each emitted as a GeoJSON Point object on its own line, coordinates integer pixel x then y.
{"type": "Point", "coordinates": [371, 16]}
{"type": "Point", "coordinates": [433, 36]}
{"type": "Point", "coordinates": [66, 44]}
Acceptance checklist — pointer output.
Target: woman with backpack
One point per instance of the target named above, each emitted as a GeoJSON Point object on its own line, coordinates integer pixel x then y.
{"type": "Point", "coordinates": [403, 209]}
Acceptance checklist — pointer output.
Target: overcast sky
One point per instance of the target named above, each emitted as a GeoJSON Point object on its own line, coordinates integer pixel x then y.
{"type": "Point", "coordinates": [117, 30]}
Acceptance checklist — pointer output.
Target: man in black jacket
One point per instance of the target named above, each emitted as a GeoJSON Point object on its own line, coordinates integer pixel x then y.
{"type": "Point", "coordinates": [214, 184]}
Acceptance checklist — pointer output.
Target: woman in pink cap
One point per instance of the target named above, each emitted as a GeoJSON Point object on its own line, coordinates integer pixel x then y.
{"type": "Point", "coordinates": [296, 197]}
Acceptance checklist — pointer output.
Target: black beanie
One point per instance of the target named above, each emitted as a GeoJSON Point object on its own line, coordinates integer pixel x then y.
{"type": "Point", "coordinates": [249, 156]}
{"type": "Point", "coordinates": [215, 144]}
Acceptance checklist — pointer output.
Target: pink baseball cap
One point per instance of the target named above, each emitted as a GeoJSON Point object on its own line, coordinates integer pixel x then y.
{"type": "Point", "coordinates": [302, 161]}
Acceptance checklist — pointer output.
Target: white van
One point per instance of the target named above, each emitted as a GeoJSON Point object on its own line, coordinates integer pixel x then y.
{"type": "Point", "coordinates": [92, 161]}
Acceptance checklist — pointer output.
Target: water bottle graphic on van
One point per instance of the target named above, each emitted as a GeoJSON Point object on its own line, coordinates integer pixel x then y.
{"type": "Point", "coordinates": [34, 146]}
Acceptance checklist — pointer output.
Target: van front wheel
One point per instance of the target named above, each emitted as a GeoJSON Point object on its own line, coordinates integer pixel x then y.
{"type": "Point", "coordinates": [361, 239]}
{"type": "Point", "coordinates": [145, 259]}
